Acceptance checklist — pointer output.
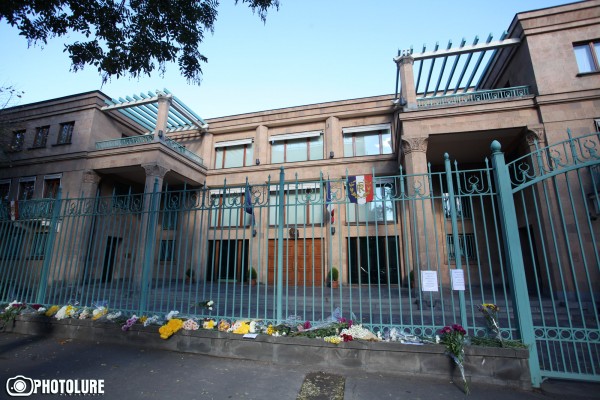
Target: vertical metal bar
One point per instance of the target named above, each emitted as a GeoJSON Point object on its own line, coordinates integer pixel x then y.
{"type": "Point", "coordinates": [512, 248]}
{"type": "Point", "coordinates": [279, 295]}
{"type": "Point", "coordinates": [455, 236]}
{"type": "Point", "coordinates": [41, 294]}
{"type": "Point", "coordinates": [149, 247]}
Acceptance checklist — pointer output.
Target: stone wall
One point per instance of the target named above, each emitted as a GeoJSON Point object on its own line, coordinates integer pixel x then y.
{"type": "Point", "coordinates": [499, 366]}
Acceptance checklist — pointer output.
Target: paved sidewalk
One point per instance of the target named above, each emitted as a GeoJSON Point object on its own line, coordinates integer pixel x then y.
{"type": "Point", "coordinates": [134, 373]}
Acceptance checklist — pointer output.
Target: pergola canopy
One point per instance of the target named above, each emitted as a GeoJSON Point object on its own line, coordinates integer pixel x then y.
{"type": "Point", "coordinates": [456, 69]}
{"type": "Point", "coordinates": [143, 110]}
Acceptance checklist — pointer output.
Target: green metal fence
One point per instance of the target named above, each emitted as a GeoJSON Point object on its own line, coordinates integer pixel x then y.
{"type": "Point", "coordinates": [520, 235]}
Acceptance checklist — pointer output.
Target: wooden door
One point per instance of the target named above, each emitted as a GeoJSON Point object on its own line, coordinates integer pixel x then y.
{"type": "Point", "coordinates": [302, 262]}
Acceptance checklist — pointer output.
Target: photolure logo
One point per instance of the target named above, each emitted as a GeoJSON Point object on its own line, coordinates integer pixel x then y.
{"type": "Point", "coordinates": [21, 386]}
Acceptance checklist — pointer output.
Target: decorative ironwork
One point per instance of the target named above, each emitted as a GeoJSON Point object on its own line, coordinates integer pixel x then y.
{"type": "Point", "coordinates": [473, 97]}
{"type": "Point", "coordinates": [123, 142]}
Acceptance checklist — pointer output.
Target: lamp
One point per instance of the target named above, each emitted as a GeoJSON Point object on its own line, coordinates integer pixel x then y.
{"type": "Point", "coordinates": [331, 154]}
{"type": "Point", "coordinates": [253, 232]}
{"type": "Point", "coordinates": [333, 230]}
{"type": "Point", "coordinates": [257, 161]}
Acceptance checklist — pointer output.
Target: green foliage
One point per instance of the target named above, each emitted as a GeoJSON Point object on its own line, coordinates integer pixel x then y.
{"type": "Point", "coordinates": [493, 342]}
{"type": "Point", "coordinates": [333, 274]}
{"type": "Point", "coordinates": [333, 329]}
{"type": "Point", "coordinates": [253, 274]}
{"type": "Point", "coordinates": [124, 37]}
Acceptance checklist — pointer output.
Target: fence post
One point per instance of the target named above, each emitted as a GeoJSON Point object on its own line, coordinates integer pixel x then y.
{"type": "Point", "coordinates": [514, 257]}
{"type": "Point", "coordinates": [56, 204]}
{"type": "Point", "coordinates": [280, 247]}
{"type": "Point", "coordinates": [150, 228]}
{"type": "Point", "coordinates": [455, 237]}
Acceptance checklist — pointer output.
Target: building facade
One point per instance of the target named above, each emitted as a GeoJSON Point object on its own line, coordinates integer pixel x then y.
{"type": "Point", "coordinates": [223, 211]}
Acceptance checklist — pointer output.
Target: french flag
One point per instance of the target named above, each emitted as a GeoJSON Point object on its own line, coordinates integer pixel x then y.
{"type": "Point", "coordinates": [329, 203]}
{"type": "Point", "coordinates": [360, 189]}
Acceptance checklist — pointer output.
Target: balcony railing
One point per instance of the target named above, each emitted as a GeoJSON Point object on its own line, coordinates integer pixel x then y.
{"type": "Point", "coordinates": [473, 97]}
{"type": "Point", "coordinates": [128, 141]}
{"type": "Point", "coordinates": [182, 150]}
{"type": "Point", "coordinates": [143, 139]}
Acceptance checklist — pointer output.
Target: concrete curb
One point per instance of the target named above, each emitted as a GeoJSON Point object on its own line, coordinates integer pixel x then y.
{"type": "Point", "coordinates": [498, 366]}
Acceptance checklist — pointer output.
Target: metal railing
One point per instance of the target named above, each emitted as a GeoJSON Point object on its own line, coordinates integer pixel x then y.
{"type": "Point", "coordinates": [181, 149]}
{"type": "Point", "coordinates": [128, 141]}
{"type": "Point", "coordinates": [532, 250]}
{"type": "Point", "coordinates": [473, 97]}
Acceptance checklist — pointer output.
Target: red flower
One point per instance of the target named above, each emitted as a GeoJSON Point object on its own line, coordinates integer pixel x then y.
{"type": "Point", "coordinates": [346, 337]}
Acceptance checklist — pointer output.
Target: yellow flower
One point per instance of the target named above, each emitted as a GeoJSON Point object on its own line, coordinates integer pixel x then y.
{"type": "Point", "coordinates": [52, 310]}
{"type": "Point", "coordinates": [210, 324]}
{"type": "Point", "coordinates": [270, 330]}
{"type": "Point", "coordinates": [167, 330]}
{"type": "Point", "coordinates": [143, 319]}
{"type": "Point", "coordinates": [332, 339]}
{"type": "Point", "coordinates": [242, 328]}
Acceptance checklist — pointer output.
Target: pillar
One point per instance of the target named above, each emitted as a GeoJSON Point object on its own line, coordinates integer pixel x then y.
{"type": "Point", "coordinates": [420, 223]}
{"type": "Point", "coordinates": [408, 91]}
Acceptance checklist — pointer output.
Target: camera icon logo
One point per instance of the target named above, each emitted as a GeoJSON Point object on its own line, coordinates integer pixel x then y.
{"type": "Point", "coordinates": [19, 386]}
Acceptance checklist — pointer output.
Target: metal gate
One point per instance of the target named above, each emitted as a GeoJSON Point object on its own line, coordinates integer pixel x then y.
{"type": "Point", "coordinates": [554, 226]}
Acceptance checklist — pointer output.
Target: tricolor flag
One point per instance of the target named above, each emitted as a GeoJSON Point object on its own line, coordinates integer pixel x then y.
{"type": "Point", "coordinates": [329, 204]}
{"type": "Point", "coordinates": [360, 189]}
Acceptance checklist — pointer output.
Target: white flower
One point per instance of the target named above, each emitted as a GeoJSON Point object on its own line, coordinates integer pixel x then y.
{"type": "Point", "coordinates": [152, 320]}
{"type": "Point", "coordinates": [113, 316]}
{"type": "Point", "coordinates": [8, 307]}
{"type": "Point", "coordinates": [437, 339]}
{"type": "Point", "coordinates": [62, 313]}
{"type": "Point", "coordinates": [41, 310]}
{"type": "Point", "coordinates": [171, 314]}
{"type": "Point", "coordinates": [252, 326]}
{"type": "Point", "coordinates": [210, 303]}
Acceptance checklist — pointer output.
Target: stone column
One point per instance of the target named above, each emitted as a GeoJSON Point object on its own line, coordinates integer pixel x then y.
{"type": "Point", "coordinates": [333, 140]}
{"type": "Point", "coordinates": [155, 174]}
{"type": "Point", "coordinates": [162, 118]}
{"type": "Point", "coordinates": [408, 90]}
{"type": "Point", "coordinates": [261, 147]}
{"type": "Point", "coordinates": [78, 268]}
{"type": "Point", "coordinates": [423, 245]}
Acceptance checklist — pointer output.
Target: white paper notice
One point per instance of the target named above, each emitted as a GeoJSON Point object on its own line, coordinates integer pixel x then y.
{"type": "Point", "coordinates": [250, 336]}
{"type": "Point", "coordinates": [458, 279]}
{"type": "Point", "coordinates": [429, 281]}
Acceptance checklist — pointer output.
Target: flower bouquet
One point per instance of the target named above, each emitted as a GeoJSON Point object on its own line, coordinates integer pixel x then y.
{"type": "Point", "coordinates": [490, 313]}
{"type": "Point", "coordinates": [454, 339]}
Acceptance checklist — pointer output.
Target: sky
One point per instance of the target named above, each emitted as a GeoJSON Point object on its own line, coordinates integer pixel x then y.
{"type": "Point", "coordinates": [310, 51]}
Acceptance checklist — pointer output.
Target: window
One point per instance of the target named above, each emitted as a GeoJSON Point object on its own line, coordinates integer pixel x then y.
{"type": "Point", "coordinates": [51, 185]}
{"type": "Point", "coordinates": [41, 136]}
{"type": "Point", "coordinates": [229, 210]}
{"type": "Point", "coordinates": [303, 205]}
{"type": "Point", "coordinates": [65, 133]}
{"type": "Point", "coordinates": [26, 187]}
{"type": "Point", "coordinates": [587, 56]}
{"type": "Point", "coordinates": [38, 245]}
{"type": "Point", "coordinates": [167, 250]}
{"type": "Point", "coordinates": [367, 140]}
{"type": "Point", "coordinates": [4, 190]}
{"type": "Point", "coordinates": [381, 209]}
{"type": "Point", "coordinates": [296, 147]}
{"type": "Point", "coordinates": [17, 141]}
{"type": "Point", "coordinates": [466, 244]}
{"type": "Point", "coordinates": [234, 153]}
{"type": "Point", "coordinates": [463, 209]}
{"type": "Point", "coordinates": [597, 125]}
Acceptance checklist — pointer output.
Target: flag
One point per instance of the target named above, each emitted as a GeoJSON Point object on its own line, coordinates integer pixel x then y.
{"type": "Point", "coordinates": [14, 210]}
{"type": "Point", "coordinates": [360, 189]}
{"type": "Point", "coordinates": [329, 204]}
{"type": "Point", "coordinates": [248, 207]}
